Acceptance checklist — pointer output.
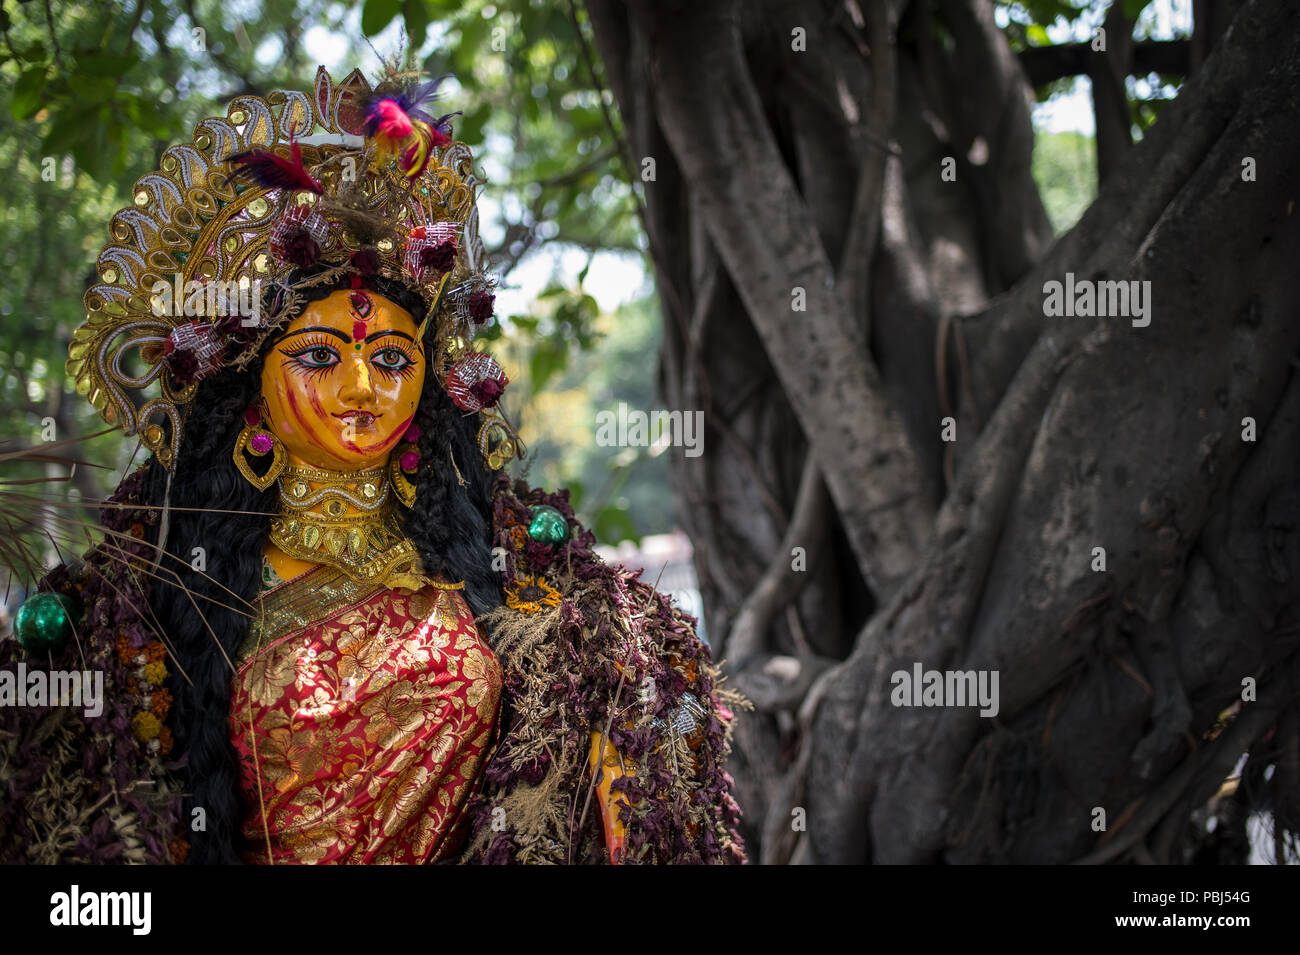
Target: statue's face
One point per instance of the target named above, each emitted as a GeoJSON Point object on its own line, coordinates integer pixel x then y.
{"type": "Point", "coordinates": [342, 384]}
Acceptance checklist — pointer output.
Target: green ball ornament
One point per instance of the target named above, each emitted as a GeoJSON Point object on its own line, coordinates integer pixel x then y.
{"type": "Point", "coordinates": [548, 525]}
{"type": "Point", "coordinates": [43, 623]}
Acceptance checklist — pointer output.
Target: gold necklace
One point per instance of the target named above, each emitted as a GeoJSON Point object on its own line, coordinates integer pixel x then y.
{"type": "Point", "coordinates": [348, 520]}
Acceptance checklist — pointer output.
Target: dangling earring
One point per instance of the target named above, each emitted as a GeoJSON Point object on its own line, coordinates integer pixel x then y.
{"type": "Point", "coordinates": [259, 442]}
{"type": "Point", "coordinates": [405, 460]}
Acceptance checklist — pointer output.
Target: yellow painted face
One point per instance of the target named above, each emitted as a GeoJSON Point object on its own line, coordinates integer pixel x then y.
{"type": "Point", "coordinates": [342, 384]}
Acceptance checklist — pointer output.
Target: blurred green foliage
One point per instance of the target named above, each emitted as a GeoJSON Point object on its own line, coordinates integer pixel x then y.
{"type": "Point", "coordinates": [1065, 169]}
{"type": "Point", "coordinates": [621, 493]}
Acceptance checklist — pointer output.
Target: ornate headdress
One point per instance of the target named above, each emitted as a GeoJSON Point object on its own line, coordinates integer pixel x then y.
{"type": "Point", "coordinates": [286, 192]}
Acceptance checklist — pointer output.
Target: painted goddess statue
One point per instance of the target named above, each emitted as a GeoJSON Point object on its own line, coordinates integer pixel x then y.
{"type": "Point", "coordinates": [332, 629]}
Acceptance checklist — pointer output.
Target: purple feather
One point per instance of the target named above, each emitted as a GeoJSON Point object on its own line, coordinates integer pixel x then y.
{"type": "Point", "coordinates": [412, 101]}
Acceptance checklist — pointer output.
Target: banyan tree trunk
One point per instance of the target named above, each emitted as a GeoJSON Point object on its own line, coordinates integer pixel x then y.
{"type": "Point", "coordinates": [908, 461]}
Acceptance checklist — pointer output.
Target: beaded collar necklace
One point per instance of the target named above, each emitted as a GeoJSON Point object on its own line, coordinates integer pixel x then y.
{"type": "Point", "coordinates": [347, 520]}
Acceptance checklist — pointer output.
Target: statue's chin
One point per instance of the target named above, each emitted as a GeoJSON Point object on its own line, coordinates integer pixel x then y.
{"type": "Point", "coordinates": [339, 458]}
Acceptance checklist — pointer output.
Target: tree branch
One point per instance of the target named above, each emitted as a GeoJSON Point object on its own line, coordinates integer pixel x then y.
{"type": "Point", "coordinates": [903, 780]}
{"type": "Point", "coordinates": [780, 583]}
{"type": "Point", "coordinates": [1122, 216]}
{"type": "Point", "coordinates": [1107, 70]}
{"type": "Point", "coordinates": [1045, 64]}
{"type": "Point", "coordinates": [761, 227]}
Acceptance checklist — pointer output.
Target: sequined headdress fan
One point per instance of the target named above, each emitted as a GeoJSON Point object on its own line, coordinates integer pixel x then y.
{"type": "Point", "coordinates": [288, 191]}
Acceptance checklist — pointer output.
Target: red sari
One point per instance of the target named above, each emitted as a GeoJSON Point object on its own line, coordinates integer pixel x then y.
{"type": "Point", "coordinates": [362, 722]}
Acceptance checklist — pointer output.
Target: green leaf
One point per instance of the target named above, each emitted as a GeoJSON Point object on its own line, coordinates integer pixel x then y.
{"type": "Point", "coordinates": [1132, 8]}
{"type": "Point", "coordinates": [1037, 35]}
{"type": "Point", "coordinates": [67, 130]}
{"type": "Point", "coordinates": [106, 64]}
{"type": "Point", "coordinates": [87, 158]}
{"type": "Point", "coordinates": [474, 36]}
{"type": "Point", "coordinates": [577, 490]}
{"type": "Point", "coordinates": [89, 146]}
{"type": "Point", "coordinates": [31, 52]}
{"type": "Point", "coordinates": [146, 115]}
{"type": "Point", "coordinates": [26, 101]}
{"type": "Point", "coordinates": [416, 15]}
{"type": "Point", "coordinates": [548, 358]}
{"type": "Point", "coordinates": [377, 14]}
{"type": "Point", "coordinates": [122, 151]}
{"type": "Point", "coordinates": [89, 91]}
{"type": "Point", "coordinates": [469, 128]}
{"type": "Point", "coordinates": [1046, 11]}
{"type": "Point", "coordinates": [613, 525]}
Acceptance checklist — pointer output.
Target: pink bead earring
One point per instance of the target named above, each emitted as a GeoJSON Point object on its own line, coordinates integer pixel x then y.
{"type": "Point", "coordinates": [405, 460]}
{"type": "Point", "coordinates": [258, 442]}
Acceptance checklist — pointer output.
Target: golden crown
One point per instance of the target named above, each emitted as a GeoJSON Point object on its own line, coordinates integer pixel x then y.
{"type": "Point", "coordinates": [285, 192]}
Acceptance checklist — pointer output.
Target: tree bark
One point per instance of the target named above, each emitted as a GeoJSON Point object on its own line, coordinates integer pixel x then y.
{"type": "Point", "coordinates": [1075, 437]}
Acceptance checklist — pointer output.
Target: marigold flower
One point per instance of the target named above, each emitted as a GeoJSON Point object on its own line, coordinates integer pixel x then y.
{"type": "Point", "coordinates": [179, 849]}
{"type": "Point", "coordinates": [146, 726]}
{"type": "Point", "coordinates": [155, 672]}
{"type": "Point", "coordinates": [161, 703]}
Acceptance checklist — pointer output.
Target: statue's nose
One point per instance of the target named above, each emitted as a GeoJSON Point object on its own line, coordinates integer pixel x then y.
{"type": "Point", "coordinates": [359, 388]}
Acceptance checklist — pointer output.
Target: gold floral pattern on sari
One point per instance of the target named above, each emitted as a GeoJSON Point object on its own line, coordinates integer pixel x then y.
{"type": "Point", "coordinates": [362, 736]}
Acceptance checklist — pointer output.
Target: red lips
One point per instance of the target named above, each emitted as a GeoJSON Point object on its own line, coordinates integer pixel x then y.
{"type": "Point", "coordinates": [359, 419]}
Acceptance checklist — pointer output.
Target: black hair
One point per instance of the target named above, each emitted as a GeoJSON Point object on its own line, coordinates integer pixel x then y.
{"type": "Point", "coordinates": [215, 508]}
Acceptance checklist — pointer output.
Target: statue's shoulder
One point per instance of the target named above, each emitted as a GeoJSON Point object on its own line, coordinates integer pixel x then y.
{"type": "Point", "coordinates": [548, 559]}
{"type": "Point", "coordinates": [587, 646]}
{"type": "Point", "coordinates": [535, 528]}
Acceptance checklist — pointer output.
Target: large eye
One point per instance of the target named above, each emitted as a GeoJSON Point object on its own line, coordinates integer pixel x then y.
{"type": "Point", "coordinates": [313, 358]}
{"type": "Point", "coordinates": [392, 359]}
{"type": "Point", "coordinates": [319, 357]}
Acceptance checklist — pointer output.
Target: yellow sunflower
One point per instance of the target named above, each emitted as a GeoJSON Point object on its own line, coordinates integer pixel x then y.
{"type": "Point", "coordinates": [532, 595]}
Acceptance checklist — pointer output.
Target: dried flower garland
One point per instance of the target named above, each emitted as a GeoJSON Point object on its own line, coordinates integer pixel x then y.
{"type": "Point", "coordinates": [83, 788]}
{"type": "Point", "coordinates": [582, 640]}
{"type": "Point", "coordinates": [596, 652]}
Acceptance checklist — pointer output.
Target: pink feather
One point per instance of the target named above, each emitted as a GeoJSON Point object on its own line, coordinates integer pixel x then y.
{"type": "Point", "coordinates": [388, 122]}
{"type": "Point", "coordinates": [265, 168]}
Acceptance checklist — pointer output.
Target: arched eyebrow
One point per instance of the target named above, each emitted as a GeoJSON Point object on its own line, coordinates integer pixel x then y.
{"type": "Point", "coordinates": [318, 328]}
{"type": "Point", "coordinates": [389, 331]}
